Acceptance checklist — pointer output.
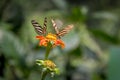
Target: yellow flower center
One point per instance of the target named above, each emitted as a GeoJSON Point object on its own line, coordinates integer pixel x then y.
{"type": "Point", "coordinates": [51, 36]}
{"type": "Point", "coordinates": [49, 63]}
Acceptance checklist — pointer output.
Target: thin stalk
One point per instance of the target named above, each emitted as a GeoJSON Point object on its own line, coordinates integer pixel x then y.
{"type": "Point", "coordinates": [43, 75]}
{"type": "Point", "coordinates": [49, 47]}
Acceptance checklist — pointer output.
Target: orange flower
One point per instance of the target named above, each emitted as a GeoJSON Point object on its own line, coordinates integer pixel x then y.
{"type": "Point", "coordinates": [52, 38]}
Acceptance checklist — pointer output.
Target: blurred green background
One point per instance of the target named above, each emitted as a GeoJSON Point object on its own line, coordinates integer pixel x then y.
{"type": "Point", "coordinates": [92, 49]}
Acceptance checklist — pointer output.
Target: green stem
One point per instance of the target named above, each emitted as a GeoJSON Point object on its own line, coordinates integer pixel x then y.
{"type": "Point", "coordinates": [49, 47]}
{"type": "Point", "coordinates": [43, 75]}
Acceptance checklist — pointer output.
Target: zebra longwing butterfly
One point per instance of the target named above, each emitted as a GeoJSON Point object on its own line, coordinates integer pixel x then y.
{"type": "Point", "coordinates": [42, 30]}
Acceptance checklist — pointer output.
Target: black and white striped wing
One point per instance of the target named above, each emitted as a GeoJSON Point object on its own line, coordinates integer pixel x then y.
{"type": "Point", "coordinates": [39, 30]}
{"type": "Point", "coordinates": [65, 30]}
{"type": "Point", "coordinates": [55, 26]}
{"type": "Point", "coordinates": [45, 25]}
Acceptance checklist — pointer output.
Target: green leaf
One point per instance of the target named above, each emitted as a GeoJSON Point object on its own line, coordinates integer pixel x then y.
{"type": "Point", "coordinates": [114, 64]}
{"type": "Point", "coordinates": [89, 42]}
{"type": "Point", "coordinates": [104, 36]}
{"type": "Point", "coordinates": [11, 45]}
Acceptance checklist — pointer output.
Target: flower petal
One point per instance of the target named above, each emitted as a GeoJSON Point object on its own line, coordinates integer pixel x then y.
{"type": "Point", "coordinates": [59, 42]}
{"type": "Point", "coordinates": [40, 37]}
{"type": "Point", "coordinates": [43, 42]}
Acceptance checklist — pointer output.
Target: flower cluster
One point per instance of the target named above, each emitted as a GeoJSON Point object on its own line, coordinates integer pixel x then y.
{"type": "Point", "coordinates": [52, 38]}
{"type": "Point", "coordinates": [48, 66]}
{"type": "Point", "coordinates": [49, 41]}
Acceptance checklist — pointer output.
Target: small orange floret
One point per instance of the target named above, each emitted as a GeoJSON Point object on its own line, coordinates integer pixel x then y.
{"type": "Point", "coordinates": [43, 42]}
{"type": "Point", "coordinates": [59, 42]}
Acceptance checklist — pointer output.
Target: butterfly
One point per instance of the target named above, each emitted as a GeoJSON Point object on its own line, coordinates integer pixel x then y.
{"type": "Point", "coordinates": [38, 28]}
{"type": "Point", "coordinates": [62, 32]}
{"type": "Point", "coordinates": [42, 30]}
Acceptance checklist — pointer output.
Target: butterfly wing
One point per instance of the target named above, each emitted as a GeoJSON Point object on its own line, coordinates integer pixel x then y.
{"type": "Point", "coordinates": [55, 26]}
{"type": "Point", "coordinates": [65, 30]}
{"type": "Point", "coordinates": [39, 29]}
{"type": "Point", "coordinates": [45, 25]}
